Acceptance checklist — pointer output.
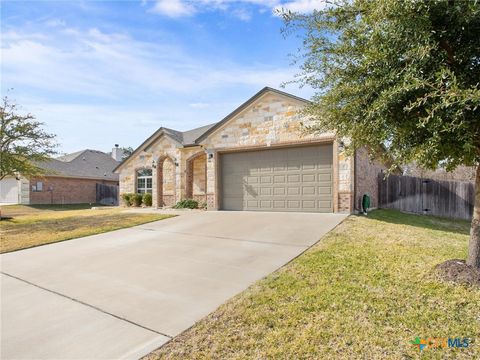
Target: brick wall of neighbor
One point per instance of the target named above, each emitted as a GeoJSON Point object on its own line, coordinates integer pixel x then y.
{"type": "Point", "coordinates": [65, 190]}
{"type": "Point", "coordinates": [366, 178]}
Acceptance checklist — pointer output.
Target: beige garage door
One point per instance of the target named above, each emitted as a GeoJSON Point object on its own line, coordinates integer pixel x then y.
{"type": "Point", "coordinates": [288, 179]}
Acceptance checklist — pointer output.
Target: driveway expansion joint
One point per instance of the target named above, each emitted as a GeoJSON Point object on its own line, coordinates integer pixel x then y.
{"type": "Point", "coordinates": [86, 304]}
{"type": "Point", "coordinates": [229, 238]}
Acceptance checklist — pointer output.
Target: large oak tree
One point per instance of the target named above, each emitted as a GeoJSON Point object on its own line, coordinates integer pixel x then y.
{"type": "Point", "coordinates": [401, 75]}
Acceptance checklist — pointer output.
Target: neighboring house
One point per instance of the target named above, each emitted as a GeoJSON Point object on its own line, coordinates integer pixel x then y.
{"type": "Point", "coordinates": [259, 157]}
{"type": "Point", "coordinates": [69, 179]}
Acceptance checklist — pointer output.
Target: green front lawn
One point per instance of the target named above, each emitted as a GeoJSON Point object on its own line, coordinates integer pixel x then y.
{"type": "Point", "coordinates": [38, 225]}
{"type": "Point", "coordinates": [366, 291]}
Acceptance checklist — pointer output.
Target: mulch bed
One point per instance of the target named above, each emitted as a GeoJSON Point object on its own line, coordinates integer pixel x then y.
{"type": "Point", "coordinates": [458, 272]}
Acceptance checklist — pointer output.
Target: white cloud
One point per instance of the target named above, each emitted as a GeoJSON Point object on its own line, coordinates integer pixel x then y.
{"type": "Point", "coordinates": [173, 8]}
{"type": "Point", "coordinates": [242, 14]}
{"type": "Point", "coordinates": [302, 6]}
{"type": "Point", "coordinates": [237, 8]}
{"type": "Point", "coordinates": [122, 88]}
{"type": "Point", "coordinates": [111, 65]}
{"type": "Point", "coordinates": [55, 22]}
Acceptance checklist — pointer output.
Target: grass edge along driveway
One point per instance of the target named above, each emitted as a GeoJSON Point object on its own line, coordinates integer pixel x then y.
{"type": "Point", "coordinates": [366, 290]}
{"type": "Point", "coordinates": [46, 226]}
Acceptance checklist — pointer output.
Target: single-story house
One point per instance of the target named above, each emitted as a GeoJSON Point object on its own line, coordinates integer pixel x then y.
{"type": "Point", "coordinates": [69, 179]}
{"type": "Point", "coordinates": [259, 157]}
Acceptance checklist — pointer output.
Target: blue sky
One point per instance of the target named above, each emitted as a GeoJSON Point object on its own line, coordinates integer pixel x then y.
{"type": "Point", "coordinates": [104, 72]}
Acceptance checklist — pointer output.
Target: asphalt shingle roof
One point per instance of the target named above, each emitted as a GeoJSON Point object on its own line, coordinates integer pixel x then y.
{"type": "Point", "coordinates": [194, 136]}
{"type": "Point", "coordinates": [83, 164]}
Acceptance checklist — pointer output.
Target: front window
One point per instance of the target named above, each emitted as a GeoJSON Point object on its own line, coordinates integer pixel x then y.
{"type": "Point", "coordinates": [144, 181]}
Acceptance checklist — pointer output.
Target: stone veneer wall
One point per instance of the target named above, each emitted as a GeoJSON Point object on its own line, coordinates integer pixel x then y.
{"type": "Point", "coordinates": [199, 173]}
{"type": "Point", "coordinates": [345, 185]}
{"type": "Point", "coordinates": [159, 149]}
{"type": "Point", "coordinates": [272, 120]}
{"type": "Point", "coordinates": [168, 182]}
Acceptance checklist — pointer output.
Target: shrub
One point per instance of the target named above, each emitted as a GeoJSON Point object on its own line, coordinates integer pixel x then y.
{"type": "Point", "coordinates": [127, 198]}
{"type": "Point", "coordinates": [203, 205]}
{"type": "Point", "coordinates": [137, 199]}
{"type": "Point", "coordinates": [147, 199]}
{"type": "Point", "coordinates": [186, 204]}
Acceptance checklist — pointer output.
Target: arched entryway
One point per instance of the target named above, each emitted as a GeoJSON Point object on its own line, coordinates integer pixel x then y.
{"type": "Point", "coordinates": [166, 181]}
{"type": "Point", "coordinates": [196, 184]}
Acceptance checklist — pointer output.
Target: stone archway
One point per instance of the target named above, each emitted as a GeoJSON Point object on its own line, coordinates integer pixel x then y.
{"type": "Point", "coordinates": [166, 181]}
{"type": "Point", "coordinates": [196, 179]}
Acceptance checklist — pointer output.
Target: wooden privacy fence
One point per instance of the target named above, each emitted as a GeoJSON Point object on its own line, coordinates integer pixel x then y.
{"type": "Point", "coordinates": [452, 199]}
{"type": "Point", "coordinates": [107, 194]}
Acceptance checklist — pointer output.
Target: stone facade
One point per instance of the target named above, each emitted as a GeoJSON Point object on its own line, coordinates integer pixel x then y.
{"type": "Point", "coordinates": [271, 120]}
{"type": "Point", "coordinates": [62, 190]}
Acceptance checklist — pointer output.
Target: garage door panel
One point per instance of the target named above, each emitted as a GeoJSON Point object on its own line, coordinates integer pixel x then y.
{"type": "Point", "coordinates": [308, 190]}
{"type": "Point", "coordinates": [292, 179]}
{"type": "Point", "coordinates": [308, 178]}
{"type": "Point", "coordinates": [324, 190]}
{"type": "Point", "coordinates": [325, 177]}
{"type": "Point", "coordinates": [293, 204]}
{"type": "Point", "coordinates": [266, 204]}
{"type": "Point", "coordinates": [308, 204]}
{"type": "Point", "coordinates": [324, 204]}
{"type": "Point", "coordinates": [266, 179]}
{"type": "Point", "coordinates": [266, 191]}
{"type": "Point", "coordinates": [293, 190]}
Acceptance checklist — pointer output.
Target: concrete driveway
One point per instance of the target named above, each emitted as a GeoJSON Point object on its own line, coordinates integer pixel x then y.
{"type": "Point", "coordinates": [127, 292]}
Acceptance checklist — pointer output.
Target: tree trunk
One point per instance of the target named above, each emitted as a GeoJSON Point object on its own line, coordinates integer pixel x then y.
{"type": "Point", "coordinates": [473, 257]}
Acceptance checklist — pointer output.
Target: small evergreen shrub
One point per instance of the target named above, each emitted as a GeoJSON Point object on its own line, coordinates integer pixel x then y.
{"type": "Point", "coordinates": [127, 198]}
{"type": "Point", "coordinates": [147, 199]}
{"type": "Point", "coordinates": [186, 204]}
{"type": "Point", "coordinates": [137, 199]}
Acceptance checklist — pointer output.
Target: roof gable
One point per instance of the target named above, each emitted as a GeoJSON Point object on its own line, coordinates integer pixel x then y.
{"type": "Point", "coordinates": [244, 106]}
{"type": "Point", "coordinates": [195, 136]}
{"type": "Point", "coordinates": [168, 133]}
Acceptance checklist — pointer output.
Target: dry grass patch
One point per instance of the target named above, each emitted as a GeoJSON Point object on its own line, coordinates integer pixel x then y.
{"type": "Point", "coordinates": [33, 226]}
{"type": "Point", "coordinates": [365, 291]}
